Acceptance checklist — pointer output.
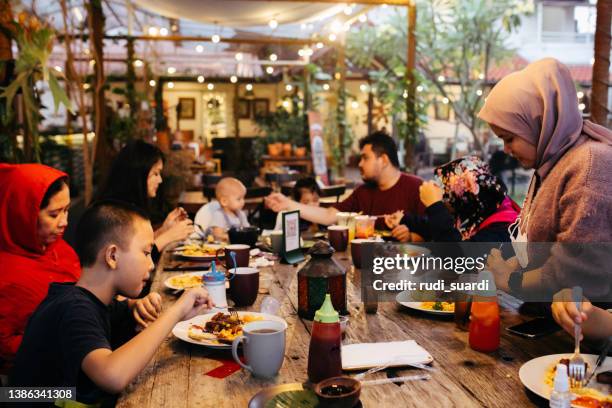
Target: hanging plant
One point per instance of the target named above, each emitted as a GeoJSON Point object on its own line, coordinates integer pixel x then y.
{"type": "Point", "coordinates": [35, 43]}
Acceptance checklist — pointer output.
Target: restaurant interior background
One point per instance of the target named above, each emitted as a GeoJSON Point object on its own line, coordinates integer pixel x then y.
{"type": "Point", "coordinates": [233, 80]}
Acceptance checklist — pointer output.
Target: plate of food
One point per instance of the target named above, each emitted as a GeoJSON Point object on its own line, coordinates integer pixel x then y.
{"type": "Point", "coordinates": [217, 330]}
{"type": "Point", "coordinates": [538, 376]}
{"type": "Point", "coordinates": [425, 303]}
{"type": "Point", "coordinates": [198, 251]}
{"type": "Point", "coordinates": [184, 281]}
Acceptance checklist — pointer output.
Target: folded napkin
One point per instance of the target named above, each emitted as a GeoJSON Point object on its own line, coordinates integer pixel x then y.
{"type": "Point", "coordinates": [394, 353]}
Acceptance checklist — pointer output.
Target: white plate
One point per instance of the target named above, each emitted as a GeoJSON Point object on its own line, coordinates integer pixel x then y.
{"type": "Point", "coordinates": [406, 300]}
{"type": "Point", "coordinates": [533, 372]}
{"type": "Point", "coordinates": [169, 285]}
{"type": "Point", "coordinates": [181, 329]}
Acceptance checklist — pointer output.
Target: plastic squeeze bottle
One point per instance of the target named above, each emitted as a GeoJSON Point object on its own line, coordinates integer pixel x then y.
{"type": "Point", "coordinates": [324, 360]}
{"type": "Point", "coordinates": [484, 317]}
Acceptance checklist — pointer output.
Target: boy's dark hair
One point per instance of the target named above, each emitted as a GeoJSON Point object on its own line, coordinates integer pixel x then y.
{"type": "Point", "coordinates": [381, 143]}
{"type": "Point", "coordinates": [104, 222]}
{"type": "Point", "coordinates": [127, 180]}
{"type": "Point", "coordinates": [308, 183]}
{"type": "Point", "coordinates": [53, 189]}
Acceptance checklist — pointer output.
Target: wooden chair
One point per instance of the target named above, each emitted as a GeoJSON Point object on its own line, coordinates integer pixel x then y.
{"type": "Point", "coordinates": [282, 178]}
{"type": "Point", "coordinates": [209, 191]}
{"type": "Point", "coordinates": [211, 179]}
{"type": "Point", "coordinates": [333, 191]}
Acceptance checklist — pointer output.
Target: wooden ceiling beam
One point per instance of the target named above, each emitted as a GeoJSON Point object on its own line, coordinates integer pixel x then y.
{"type": "Point", "coordinates": [232, 40]}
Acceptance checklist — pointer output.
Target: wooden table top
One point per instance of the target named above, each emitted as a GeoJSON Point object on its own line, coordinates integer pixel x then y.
{"type": "Point", "coordinates": [465, 378]}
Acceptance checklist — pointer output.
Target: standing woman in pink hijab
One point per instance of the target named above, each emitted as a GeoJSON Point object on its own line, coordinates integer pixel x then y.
{"type": "Point", "coordinates": [535, 112]}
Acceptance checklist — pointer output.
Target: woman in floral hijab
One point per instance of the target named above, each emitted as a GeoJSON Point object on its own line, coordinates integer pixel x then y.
{"type": "Point", "coordinates": [466, 202]}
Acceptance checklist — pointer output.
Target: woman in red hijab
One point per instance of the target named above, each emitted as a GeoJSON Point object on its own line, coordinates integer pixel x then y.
{"type": "Point", "coordinates": [34, 202]}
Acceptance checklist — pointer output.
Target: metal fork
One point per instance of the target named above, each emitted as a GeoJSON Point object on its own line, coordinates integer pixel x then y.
{"type": "Point", "coordinates": [233, 313]}
{"type": "Point", "coordinates": [576, 365]}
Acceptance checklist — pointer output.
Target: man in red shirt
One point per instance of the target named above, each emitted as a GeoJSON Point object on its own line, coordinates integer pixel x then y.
{"type": "Point", "coordinates": [385, 190]}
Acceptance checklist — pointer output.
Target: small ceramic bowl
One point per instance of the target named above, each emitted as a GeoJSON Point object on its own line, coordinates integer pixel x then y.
{"type": "Point", "coordinates": [338, 392]}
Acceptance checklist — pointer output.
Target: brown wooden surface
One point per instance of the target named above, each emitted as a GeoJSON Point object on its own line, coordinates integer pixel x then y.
{"type": "Point", "coordinates": [465, 378]}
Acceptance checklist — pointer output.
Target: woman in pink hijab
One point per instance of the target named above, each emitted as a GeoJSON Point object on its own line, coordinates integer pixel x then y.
{"type": "Point", "coordinates": [535, 112]}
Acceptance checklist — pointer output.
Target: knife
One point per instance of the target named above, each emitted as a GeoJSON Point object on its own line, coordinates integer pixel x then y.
{"type": "Point", "coordinates": [600, 359]}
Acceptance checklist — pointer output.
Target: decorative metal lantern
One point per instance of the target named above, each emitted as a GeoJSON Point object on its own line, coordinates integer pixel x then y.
{"type": "Point", "coordinates": [321, 275]}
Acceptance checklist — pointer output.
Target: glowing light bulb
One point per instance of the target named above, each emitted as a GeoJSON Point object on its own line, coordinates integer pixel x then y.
{"type": "Point", "coordinates": [233, 79]}
{"type": "Point", "coordinates": [201, 79]}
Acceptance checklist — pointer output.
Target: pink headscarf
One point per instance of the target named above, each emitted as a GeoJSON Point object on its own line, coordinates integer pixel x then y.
{"type": "Point", "coordinates": [539, 104]}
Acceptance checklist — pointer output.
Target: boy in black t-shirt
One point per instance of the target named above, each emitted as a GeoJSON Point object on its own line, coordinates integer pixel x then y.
{"type": "Point", "coordinates": [73, 337]}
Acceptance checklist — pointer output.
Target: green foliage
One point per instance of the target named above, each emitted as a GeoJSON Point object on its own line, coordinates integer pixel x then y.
{"type": "Point", "coordinates": [35, 43]}
{"type": "Point", "coordinates": [456, 39]}
{"type": "Point", "coordinates": [378, 45]}
{"type": "Point", "coordinates": [279, 126]}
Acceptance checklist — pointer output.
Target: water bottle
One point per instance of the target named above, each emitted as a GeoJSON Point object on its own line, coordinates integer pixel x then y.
{"type": "Point", "coordinates": [561, 396]}
{"type": "Point", "coordinates": [214, 282]}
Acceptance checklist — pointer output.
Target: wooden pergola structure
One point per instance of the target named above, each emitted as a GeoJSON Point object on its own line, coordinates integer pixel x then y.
{"type": "Point", "coordinates": [96, 37]}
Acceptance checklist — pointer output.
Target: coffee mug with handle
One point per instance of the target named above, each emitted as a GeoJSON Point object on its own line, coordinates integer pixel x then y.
{"type": "Point", "coordinates": [263, 347]}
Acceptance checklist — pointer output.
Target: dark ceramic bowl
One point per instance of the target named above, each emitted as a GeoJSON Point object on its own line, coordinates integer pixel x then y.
{"type": "Point", "coordinates": [330, 397]}
{"type": "Point", "coordinates": [244, 235]}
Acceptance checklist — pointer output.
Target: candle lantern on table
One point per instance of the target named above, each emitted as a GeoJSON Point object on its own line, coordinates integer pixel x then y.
{"type": "Point", "coordinates": [320, 275]}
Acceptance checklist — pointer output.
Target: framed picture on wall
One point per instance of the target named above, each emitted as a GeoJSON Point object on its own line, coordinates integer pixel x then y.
{"type": "Point", "coordinates": [442, 110]}
{"type": "Point", "coordinates": [186, 108]}
{"type": "Point", "coordinates": [261, 107]}
{"type": "Point", "coordinates": [244, 108]}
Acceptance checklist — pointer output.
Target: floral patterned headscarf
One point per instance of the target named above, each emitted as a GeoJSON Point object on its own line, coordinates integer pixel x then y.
{"type": "Point", "coordinates": [471, 190]}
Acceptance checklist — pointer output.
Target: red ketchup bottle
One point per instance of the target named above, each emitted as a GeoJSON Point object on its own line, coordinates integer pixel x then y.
{"type": "Point", "coordinates": [484, 318]}
{"type": "Point", "coordinates": [324, 360]}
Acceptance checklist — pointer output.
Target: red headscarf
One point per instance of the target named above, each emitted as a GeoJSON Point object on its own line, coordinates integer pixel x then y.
{"type": "Point", "coordinates": [26, 269]}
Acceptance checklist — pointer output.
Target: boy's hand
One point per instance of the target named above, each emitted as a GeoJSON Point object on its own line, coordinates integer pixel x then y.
{"type": "Point", "coordinates": [565, 313]}
{"type": "Point", "coordinates": [147, 309]}
{"type": "Point", "coordinates": [430, 193]}
{"type": "Point", "coordinates": [192, 302]}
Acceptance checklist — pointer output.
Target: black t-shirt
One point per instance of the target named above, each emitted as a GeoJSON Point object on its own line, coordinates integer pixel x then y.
{"type": "Point", "coordinates": [70, 323]}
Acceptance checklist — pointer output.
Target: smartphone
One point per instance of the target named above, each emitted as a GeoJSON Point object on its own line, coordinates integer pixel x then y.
{"type": "Point", "coordinates": [538, 327]}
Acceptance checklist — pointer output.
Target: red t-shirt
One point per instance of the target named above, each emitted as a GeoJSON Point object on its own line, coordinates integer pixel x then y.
{"type": "Point", "coordinates": [371, 200]}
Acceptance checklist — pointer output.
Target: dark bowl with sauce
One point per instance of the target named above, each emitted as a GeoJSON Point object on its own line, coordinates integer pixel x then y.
{"type": "Point", "coordinates": [338, 392]}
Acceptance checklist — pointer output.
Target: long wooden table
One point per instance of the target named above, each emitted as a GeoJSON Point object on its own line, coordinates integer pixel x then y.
{"type": "Point", "coordinates": [465, 378]}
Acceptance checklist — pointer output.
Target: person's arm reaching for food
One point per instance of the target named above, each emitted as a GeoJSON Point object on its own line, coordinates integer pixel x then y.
{"type": "Point", "coordinates": [596, 322]}
{"type": "Point", "coordinates": [114, 370]}
{"type": "Point", "coordinates": [318, 215]}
